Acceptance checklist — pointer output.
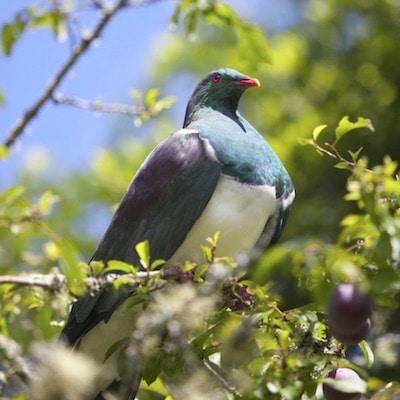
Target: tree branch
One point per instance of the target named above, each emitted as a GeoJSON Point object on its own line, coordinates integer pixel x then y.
{"type": "Point", "coordinates": [98, 106]}
{"type": "Point", "coordinates": [57, 282]}
{"type": "Point", "coordinates": [29, 114]}
{"type": "Point", "coordinates": [332, 152]}
{"type": "Point", "coordinates": [53, 282]}
{"type": "Point", "coordinates": [220, 377]}
{"type": "Point", "coordinates": [33, 215]}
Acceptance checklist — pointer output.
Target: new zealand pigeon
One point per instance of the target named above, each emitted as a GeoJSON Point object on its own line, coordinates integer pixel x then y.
{"type": "Point", "coordinates": [217, 173]}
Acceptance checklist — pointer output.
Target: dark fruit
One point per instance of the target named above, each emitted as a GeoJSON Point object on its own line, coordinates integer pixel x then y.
{"type": "Point", "coordinates": [351, 338]}
{"type": "Point", "coordinates": [345, 375]}
{"type": "Point", "coordinates": [348, 313]}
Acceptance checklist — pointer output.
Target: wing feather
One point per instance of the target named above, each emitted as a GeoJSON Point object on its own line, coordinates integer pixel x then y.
{"type": "Point", "coordinates": [162, 203]}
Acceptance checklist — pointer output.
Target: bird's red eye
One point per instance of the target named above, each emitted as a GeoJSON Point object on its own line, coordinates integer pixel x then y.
{"type": "Point", "coordinates": [216, 78]}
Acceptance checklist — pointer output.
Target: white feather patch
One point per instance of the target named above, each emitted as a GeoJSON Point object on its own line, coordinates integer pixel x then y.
{"type": "Point", "coordinates": [238, 211]}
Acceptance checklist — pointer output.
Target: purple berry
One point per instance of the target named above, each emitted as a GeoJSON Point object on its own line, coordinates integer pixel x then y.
{"type": "Point", "coordinates": [341, 374]}
{"type": "Point", "coordinates": [350, 338]}
{"type": "Point", "coordinates": [348, 313]}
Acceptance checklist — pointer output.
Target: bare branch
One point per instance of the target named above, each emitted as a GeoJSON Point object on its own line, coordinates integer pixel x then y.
{"type": "Point", "coordinates": [29, 114]}
{"type": "Point", "coordinates": [216, 371]}
{"type": "Point", "coordinates": [53, 282]}
{"type": "Point", "coordinates": [101, 107]}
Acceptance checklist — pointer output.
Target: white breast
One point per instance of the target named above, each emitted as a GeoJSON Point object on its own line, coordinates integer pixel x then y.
{"type": "Point", "coordinates": [238, 211]}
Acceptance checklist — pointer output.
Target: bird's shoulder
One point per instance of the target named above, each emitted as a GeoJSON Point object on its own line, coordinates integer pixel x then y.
{"type": "Point", "coordinates": [186, 145]}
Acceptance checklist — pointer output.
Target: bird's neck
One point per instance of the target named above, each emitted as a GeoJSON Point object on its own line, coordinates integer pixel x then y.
{"type": "Point", "coordinates": [194, 114]}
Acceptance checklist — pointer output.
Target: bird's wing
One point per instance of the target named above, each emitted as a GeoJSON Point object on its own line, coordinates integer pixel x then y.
{"type": "Point", "coordinates": [277, 226]}
{"type": "Point", "coordinates": [162, 203]}
{"type": "Point", "coordinates": [277, 221]}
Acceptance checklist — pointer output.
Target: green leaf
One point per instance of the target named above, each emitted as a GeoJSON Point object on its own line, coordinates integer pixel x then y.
{"type": "Point", "coordinates": [367, 351]}
{"type": "Point", "coordinates": [55, 20]}
{"type": "Point", "coordinates": [120, 266]}
{"type": "Point", "coordinates": [47, 200]}
{"type": "Point", "coordinates": [200, 270]}
{"type": "Point", "coordinates": [173, 22]}
{"type": "Point", "coordinates": [97, 267]}
{"type": "Point", "coordinates": [122, 280]}
{"type": "Point", "coordinates": [207, 253]}
{"type": "Point", "coordinates": [11, 195]}
{"type": "Point", "coordinates": [143, 251]}
{"type": "Point", "coordinates": [345, 126]}
{"type": "Point", "coordinates": [163, 104]}
{"type": "Point", "coordinates": [252, 46]}
{"type": "Point", "coordinates": [347, 385]}
{"type": "Point", "coordinates": [221, 15]}
{"type": "Point", "coordinates": [188, 266]}
{"type": "Point", "coordinates": [2, 98]}
{"type": "Point", "coordinates": [354, 155]}
{"type": "Point", "coordinates": [317, 130]}
{"type": "Point", "coordinates": [213, 240]}
{"type": "Point", "coordinates": [157, 263]}
{"type": "Point", "coordinates": [20, 396]}
{"type": "Point", "coordinates": [151, 96]}
{"type": "Point", "coordinates": [4, 152]}
{"type": "Point", "coordinates": [156, 386]}
{"type": "Point", "coordinates": [116, 347]}
{"type": "Point", "coordinates": [190, 21]}
{"type": "Point", "coordinates": [12, 32]}
{"type": "Point", "coordinates": [72, 267]}
{"type": "Point", "coordinates": [305, 142]}
{"type": "Point", "coordinates": [139, 297]}
{"type": "Point", "coordinates": [342, 165]}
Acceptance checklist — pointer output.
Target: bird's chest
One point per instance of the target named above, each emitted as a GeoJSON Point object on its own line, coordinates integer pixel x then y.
{"type": "Point", "coordinates": [242, 152]}
{"type": "Point", "coordinates": [239, 212]}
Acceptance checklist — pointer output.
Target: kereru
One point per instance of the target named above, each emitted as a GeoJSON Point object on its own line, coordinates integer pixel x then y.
{"type": "Point", "coordinates": [217, 173]}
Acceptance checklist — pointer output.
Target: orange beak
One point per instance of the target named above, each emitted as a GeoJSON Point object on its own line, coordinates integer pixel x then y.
{"type": "Point", "coordinates": [248, 81]}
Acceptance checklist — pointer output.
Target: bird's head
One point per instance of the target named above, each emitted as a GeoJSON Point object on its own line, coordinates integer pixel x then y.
{"type": "Point", "coordinates": [220, 90]}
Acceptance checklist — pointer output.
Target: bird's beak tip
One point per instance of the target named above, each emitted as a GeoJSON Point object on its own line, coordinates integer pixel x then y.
{"type": "Point", "coordinates": [248, 81]}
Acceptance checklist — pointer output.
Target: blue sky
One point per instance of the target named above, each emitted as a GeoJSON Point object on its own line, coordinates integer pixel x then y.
{"type": "Point", "coordinates": [118, 61]}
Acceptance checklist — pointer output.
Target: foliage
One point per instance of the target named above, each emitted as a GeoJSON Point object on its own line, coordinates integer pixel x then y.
{"type": "Point", "coordinates": [213, 331]}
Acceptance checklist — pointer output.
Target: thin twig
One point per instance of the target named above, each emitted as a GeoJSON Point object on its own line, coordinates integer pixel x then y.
{"type": "Point", "coordinates": [334, 154]}
{"type": "Point", "coordinates": [220, 376]}
{"type": "Point", "coordinates": [33, 215]}
{"type": "Point", "coordinates": [29, 114]}
{"type": "Point", "coordinates": [338, 156]}
{"type": "Point", "coordinates": [99, 106]}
